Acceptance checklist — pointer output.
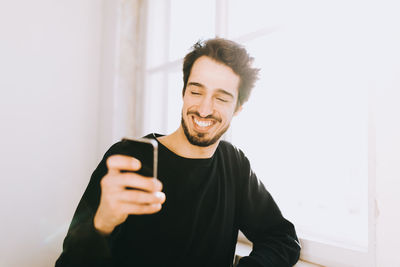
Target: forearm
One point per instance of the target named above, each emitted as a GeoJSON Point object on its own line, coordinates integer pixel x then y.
{"type": "Point", "coordinates": [84, 245]}
{"type": "Point", "coordinates": [273, 252]}
{"type": "Point", "coordinates": [274, 238]}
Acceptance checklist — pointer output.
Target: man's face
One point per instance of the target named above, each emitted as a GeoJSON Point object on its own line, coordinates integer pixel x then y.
{"type": "Point", "coordinates": [209, 102]}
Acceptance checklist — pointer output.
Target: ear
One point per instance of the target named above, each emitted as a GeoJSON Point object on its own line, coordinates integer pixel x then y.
{"type": "Point", "coordinates": [238, 110]}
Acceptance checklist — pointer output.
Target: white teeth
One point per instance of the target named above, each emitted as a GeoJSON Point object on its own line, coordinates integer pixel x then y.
{"type": "Point", "coordinates": [202, 123]}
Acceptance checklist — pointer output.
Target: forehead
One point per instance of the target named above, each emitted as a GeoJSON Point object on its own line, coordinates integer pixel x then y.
{"type": "Point", "coordinates": [214, 75]}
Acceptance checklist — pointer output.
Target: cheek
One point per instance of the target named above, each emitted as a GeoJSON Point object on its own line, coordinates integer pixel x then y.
{"type": "Point", "coordinates": [226, 118]}
{"type": "Point", "coordinates": [188, 103]}
{"type": "Point", "coordinates": [228, 113]}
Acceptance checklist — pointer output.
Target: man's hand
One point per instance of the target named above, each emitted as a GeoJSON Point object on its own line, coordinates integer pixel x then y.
{"type": "Point", "coordinates": [117, 202]}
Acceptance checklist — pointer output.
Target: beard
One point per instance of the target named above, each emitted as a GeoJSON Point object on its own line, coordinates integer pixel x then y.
{"type": "Point", "coordinates": [199, 139]}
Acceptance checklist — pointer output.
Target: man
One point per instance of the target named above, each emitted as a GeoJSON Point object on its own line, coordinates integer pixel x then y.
{"type": "Point", "coordinates": [206, 190]}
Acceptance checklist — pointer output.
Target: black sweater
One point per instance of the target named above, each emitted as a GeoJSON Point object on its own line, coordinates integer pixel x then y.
{"type": "Point", "coordinates": [207, 202]}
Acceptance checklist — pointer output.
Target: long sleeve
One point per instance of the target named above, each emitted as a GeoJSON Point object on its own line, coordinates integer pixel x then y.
{"type": "Point", "coordinates": [274, 239]}
{"type": "Point", "coordinates": [83, 245]}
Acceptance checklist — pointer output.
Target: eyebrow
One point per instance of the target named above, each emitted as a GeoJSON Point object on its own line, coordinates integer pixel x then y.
{"type": "Point", "coordinates": [221, 91]}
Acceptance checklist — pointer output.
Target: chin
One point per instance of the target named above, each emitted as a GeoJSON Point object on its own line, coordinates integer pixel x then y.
{"type": "Point", "coordinates": [199, 139]}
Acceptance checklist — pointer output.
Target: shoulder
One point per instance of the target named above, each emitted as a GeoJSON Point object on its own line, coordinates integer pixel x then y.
{"type": "Point", "coordinates": [229, 148]}
{"type": "Point", "coordinates": [120, 147]}
{"type": "Point", "coordinates": [234, 154]}
{"type": "Point", "coordinates": [236, 163]}
{"type": "Point", "coordinates": [126, 147]}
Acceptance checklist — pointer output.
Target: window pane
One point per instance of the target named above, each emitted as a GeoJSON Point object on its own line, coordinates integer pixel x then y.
{"type": "Point", "coordinates": [190, 20]}
{"type": "Point", "coordinates": [157, 33]}
{"type": "Point", "coordinates": [309, 112]}
{"type": "Point", "coordinates": [252, 15]}
{"type": "Point", "coordinates": [175, 85]}
{"type": "Point", "coordinates": [155, 105]}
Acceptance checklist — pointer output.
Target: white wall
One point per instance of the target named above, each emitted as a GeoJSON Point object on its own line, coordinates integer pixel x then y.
{"type": "Point", "coordinates": [388, 169]}
{"type": "Point", "coordinates": [387, 120]}
{"type": "Point", "coordinates": [50, 77]}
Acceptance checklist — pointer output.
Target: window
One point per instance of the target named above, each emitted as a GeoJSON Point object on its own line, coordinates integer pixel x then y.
{"type": "Point", "coordinates": [310, 132]}
{"type": "Point", "coordinates": [169, 38]}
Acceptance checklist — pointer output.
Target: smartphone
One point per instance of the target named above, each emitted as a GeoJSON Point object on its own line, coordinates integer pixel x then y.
{"type": "Point", "coordinates": [145, 150]}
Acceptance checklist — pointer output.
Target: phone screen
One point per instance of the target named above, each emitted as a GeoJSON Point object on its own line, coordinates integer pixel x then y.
{"type": "Point", "coordinates": [145, 150]}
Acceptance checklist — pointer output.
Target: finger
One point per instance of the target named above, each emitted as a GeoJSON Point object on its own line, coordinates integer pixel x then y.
{"type": "Point", "coordinates": [115, 163]}
{"type": "Point", "coordinates": [141, 197]}
{"type": "Point", "coordinates": [138, 181]}
{"type": "Point", "coordinates": [141, 209]}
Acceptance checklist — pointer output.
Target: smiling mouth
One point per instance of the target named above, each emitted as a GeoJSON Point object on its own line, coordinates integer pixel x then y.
{"type": "Point", "coordinates": [202, 125]}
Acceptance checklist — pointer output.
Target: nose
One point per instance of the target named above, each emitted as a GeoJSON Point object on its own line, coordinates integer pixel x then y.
{"type": "Point", "coordinates": [206, 107]}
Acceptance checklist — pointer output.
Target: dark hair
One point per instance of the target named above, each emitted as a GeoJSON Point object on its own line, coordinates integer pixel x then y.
{"type": "Point", "coordinates": [230, 54]}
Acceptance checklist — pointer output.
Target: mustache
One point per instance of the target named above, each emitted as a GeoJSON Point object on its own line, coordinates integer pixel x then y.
{"type": "Point", "coordinates": [211, 116]}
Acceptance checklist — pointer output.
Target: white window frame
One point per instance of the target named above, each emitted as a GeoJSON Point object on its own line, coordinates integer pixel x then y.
{"type": "Point", "coordinates": [312, 251]}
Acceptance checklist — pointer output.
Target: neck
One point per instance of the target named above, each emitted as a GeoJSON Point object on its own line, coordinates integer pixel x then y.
{"type": "Point", "coordinates": [179, 144]}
